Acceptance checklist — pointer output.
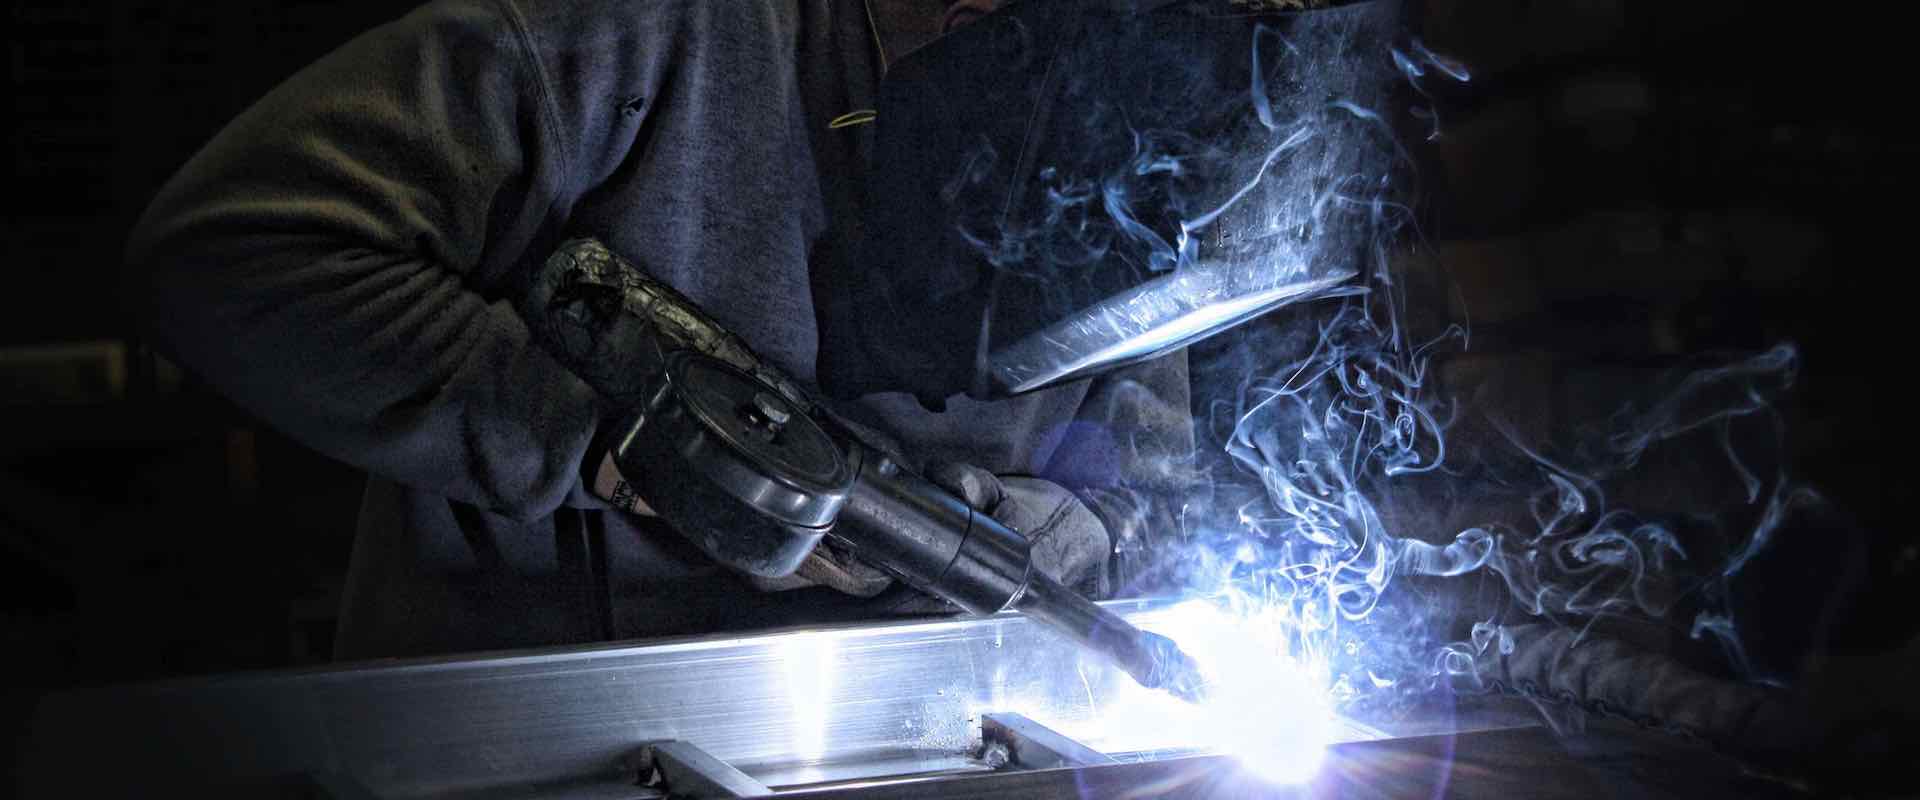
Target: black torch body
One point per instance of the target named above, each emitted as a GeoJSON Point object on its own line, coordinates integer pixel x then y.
{"type": "Point", "coordinates": [935, 542]}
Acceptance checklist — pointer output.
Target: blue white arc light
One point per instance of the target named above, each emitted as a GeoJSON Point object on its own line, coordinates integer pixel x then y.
{"type": "Point", "coordinates": [1266, 707]}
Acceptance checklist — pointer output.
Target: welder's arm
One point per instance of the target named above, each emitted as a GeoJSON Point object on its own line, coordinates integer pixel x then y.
{"type": "Point", "coordinates": [319, 263]}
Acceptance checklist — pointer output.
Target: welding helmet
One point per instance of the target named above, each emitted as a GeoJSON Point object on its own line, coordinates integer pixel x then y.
{"type": "Point", "coordinates": [1063, 187]}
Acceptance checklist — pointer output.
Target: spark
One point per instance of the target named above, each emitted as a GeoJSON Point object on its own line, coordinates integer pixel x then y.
{"type": "Point", "coordinates": [1267, 707]}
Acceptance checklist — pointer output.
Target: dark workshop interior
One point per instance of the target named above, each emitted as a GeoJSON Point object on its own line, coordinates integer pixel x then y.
{"type": "Point", "coordinates": [1623, 193]}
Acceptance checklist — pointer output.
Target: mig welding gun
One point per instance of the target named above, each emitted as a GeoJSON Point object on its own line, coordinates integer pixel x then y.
{"type": "Point", "coordinates": [756, 472]}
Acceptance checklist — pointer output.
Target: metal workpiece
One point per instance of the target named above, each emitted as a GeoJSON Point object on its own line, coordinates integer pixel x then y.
{"type": "Point", "coordinates": [1525, 762]}
{"type": "Point", "coordinates": [790, 709]}
{"type": "Point", "coordinates": [1031, 745]}
{"type": "Point", "coordinates": [685, 771]}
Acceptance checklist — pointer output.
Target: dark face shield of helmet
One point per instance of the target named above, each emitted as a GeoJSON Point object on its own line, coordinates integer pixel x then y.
{"type": "Point", "coordinates": [1064, 187]}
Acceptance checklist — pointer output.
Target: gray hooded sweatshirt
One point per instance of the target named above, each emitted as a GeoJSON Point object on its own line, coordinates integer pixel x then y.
{"type": "Point", "coordinates": [347, 259]}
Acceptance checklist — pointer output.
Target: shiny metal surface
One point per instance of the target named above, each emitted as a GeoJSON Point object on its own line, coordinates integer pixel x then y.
{"type": "Point", "coordinates": [1512, 763]}
{"type": "Point", "coordinates": [789, 708]}
{"type": "Point", "coordinates": [689, 772]}
{"type": "Point", "coordinates": [1159, 316]}
{"type": "Point", "coordinates": [1031, 745]}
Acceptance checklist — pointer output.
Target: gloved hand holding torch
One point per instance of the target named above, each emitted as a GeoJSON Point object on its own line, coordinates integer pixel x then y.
{"type": "Point", "coordinates": [755, 472]}
{"type": "Point", "coordinates": [1069, 543]}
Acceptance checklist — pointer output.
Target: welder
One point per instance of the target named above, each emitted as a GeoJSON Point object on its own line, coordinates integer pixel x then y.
{"type": "Point", "coordinates": [355, 259]}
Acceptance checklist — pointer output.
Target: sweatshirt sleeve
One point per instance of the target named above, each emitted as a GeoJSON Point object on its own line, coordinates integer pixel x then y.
{"type": "Point", "coordinates": [338, 261]}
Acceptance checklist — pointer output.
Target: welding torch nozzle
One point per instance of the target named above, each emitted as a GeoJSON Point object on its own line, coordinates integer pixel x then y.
{"type": "Point", "coordinates": [937, 543]}
{"type": "Point", "coordinates": [1155, 661]}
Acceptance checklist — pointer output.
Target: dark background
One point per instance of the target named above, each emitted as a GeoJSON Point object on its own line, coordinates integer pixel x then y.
{"type": "Point", "coordinates": [1623, 187]}
{"type": "Point", "coordinates": [147, 528]}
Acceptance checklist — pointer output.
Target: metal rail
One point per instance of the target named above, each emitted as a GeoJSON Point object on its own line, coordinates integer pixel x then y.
{"type": "Point", "coordinates": [790, 709]}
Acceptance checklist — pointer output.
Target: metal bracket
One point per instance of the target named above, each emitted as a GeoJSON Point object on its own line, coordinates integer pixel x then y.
{"type": "Point", "coordinates": [684, 770]}
{"type": "Point", "coordinates": [1031, 745]}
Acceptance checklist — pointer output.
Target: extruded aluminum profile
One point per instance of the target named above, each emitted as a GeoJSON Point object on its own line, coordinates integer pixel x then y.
{"type": "Point", "coordinates": [690, 773]}
{"type": "Point", "coordinates": [788, 709]}
{"type": "Point", "coordinates": [1031, 745]}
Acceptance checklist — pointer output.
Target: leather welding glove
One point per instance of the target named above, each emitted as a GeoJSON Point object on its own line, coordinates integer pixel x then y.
{"type": "Point", "coordinates": [1070, 544]}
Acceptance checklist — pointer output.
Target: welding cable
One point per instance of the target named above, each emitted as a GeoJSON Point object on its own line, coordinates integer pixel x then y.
{"type": "Point", "coordinates": [1765, 727]}
{"type": "Point", "coordinates": [1612, 678]}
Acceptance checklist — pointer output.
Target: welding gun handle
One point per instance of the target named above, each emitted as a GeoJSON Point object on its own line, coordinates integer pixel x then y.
{"type": "Point", "coordinates": [934, 541]}
{"type": "Point", "coordinates": [913, 528]}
